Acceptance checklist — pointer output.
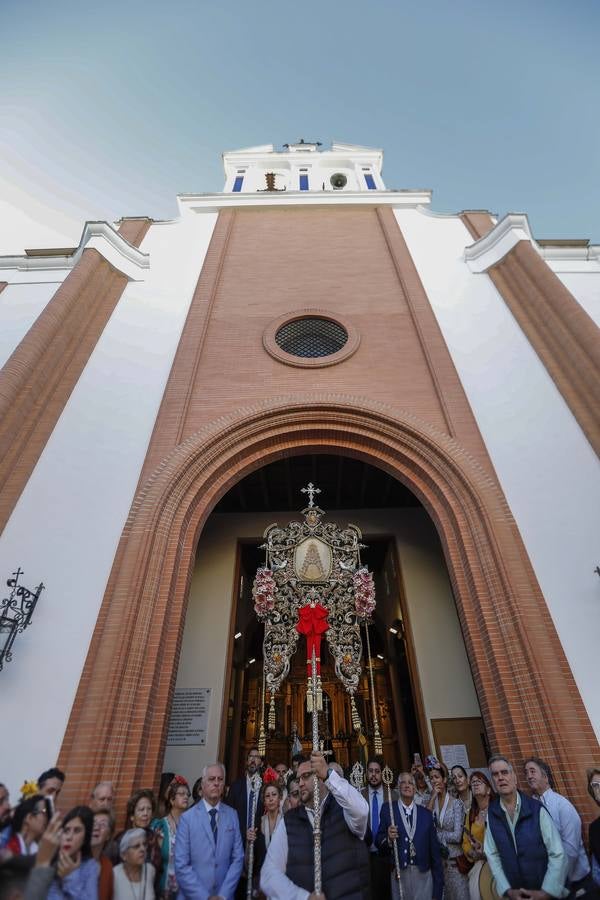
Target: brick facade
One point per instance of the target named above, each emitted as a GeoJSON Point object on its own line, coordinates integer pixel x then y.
{"type": "Point", "coordinates": [396, 402]}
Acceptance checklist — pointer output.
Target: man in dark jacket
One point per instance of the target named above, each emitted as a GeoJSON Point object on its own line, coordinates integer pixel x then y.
{"type": "Point", "coordinates": [375, 796]}
{"type": "Point", "coordinates": [344, 855]}
{"type": "Point", "coordinates": [522, 844]}
{"type": "Point", "coordinates": [240, 795]}
{"type": "Point", "coordinates": [241, 798]}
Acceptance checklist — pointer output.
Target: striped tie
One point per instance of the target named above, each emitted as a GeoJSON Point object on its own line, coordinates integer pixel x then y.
{"type": "Point", "coordinates": [213, 823]}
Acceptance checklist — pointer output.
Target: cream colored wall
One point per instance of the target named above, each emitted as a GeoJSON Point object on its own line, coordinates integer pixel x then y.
{"type": "Point", "coordinates": [446, 681]}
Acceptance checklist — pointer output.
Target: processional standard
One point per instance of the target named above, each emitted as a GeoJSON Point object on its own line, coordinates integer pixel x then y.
{"type": "Point", "coordinates": [313, 584]}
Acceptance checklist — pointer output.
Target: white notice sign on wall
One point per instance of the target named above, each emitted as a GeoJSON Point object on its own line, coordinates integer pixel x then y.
{"type": "Point", "coordinates": [455, 755]}
{"type": "Point", "coordinates": [189, 717]}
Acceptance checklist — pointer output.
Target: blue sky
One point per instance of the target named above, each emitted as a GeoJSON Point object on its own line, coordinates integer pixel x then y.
{"type": "Point", "coordinates": [112, 108]}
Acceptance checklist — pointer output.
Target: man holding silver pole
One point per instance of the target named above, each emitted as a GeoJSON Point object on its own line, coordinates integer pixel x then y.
{"type": "Point", "coordinates": [288, 870]}
{"type": "Point", "coordinates": [418, 851]}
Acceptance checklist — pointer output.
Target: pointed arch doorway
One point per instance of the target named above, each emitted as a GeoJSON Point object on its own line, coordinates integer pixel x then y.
{"type": "Point", "coordinates": [527, 694]}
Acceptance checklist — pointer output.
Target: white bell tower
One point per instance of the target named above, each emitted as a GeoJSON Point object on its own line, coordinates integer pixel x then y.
{"type": "Point", "coordinates": [303, 167]}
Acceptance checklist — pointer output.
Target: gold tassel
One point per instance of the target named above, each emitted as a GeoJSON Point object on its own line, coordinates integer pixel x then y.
{"type": "Point", "coordinates": [309, 699]}
{"type": "Point", "coordinates": [319, 694]}
{"type": "Point", "coordinates": [262, 740]}
{"type": "Point", "coordinates": [272, 713]}
{"type": "Point", "coordinates": [355, 717]}
{"type": "Point", "coordinates": [377, 740]}
{"type": "Point", "coordinates": [376, 735]}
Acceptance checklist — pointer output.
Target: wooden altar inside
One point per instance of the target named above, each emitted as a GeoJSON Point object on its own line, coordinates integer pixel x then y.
{"type": "Point", "coordinates": [335, 723]}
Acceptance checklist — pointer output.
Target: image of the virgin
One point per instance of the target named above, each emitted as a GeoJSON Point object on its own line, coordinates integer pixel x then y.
{"type": "Point", "coordinates": [313, 560]}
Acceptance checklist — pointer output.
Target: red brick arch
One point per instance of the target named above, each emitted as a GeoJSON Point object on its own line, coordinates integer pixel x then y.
{"type": "Point", "coordinates": [527, 694]}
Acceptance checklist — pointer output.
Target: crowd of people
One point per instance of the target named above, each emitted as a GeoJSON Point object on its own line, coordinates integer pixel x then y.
{"type": "Point", "coordinates": [454, 835]}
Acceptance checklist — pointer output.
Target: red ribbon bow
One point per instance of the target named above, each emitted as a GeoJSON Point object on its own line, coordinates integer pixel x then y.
{"type": "Point", "coordinates": [312, 622]}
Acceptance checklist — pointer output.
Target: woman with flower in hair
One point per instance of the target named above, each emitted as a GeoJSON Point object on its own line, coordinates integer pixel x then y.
{"type": "Point", "coordinates": [177, 799]}
{"type": "Point", "coordinates": [271, 795]}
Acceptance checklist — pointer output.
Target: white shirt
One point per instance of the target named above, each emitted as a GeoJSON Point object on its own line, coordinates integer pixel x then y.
{"type": "Point", "coordinates": [566, 818]}
{"type": "Point", "coordinates": [273, 880]}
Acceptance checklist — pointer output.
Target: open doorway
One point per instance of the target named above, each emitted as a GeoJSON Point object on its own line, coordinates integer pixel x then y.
{"type": "Point", "coordinates": [423, 684]}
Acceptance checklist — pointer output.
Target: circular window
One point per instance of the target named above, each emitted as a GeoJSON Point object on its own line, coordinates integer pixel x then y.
{"type": "Point", "coordinates": [338, 181]}
{"type": "Point", "coordinates": [311, 337]}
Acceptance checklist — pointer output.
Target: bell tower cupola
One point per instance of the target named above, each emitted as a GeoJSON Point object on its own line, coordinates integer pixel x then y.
{"type": "Point", "coordinates": [303, 166]}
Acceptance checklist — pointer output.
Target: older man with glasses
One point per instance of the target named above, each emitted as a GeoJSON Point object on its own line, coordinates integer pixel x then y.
{"type": "Point", "coordinates": [414, 834]}
{"type": "Point", "coordinates": [522, 844]}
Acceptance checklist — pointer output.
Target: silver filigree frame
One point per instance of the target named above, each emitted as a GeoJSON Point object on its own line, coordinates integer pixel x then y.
{"type": "Point", "coordinates": [335, 592]}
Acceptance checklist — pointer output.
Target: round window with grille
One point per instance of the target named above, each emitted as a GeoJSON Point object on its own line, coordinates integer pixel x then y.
{"type": "Point", "coordinates": [311, 337]}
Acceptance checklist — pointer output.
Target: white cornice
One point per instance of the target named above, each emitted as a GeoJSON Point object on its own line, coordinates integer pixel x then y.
{"type": "Point", "coordinates": [494, 246]}
{"type": "Point", "coordinates": [514, 227]}
{"type": "Point", "coordinates": [97, 235]}
{"type": "Point", "coordinates": [213, 202]}
{"type": "Point", "coordinates": [590, 253]}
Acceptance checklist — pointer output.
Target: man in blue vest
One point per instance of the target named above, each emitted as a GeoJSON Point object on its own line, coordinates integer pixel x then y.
{"type": "Point", "coordinates": [413, 832]}
{"type": "Point", "coordinates": [522, 844]}
{"type": "Point", "coordinates": [288, 870]}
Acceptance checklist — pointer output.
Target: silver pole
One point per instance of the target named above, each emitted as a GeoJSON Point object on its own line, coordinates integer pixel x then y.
{"type": "Point", "coordinates": [387, 777]}
{"type": "Point", "coordinates": [256, 783]}
{"type": "Point", "coordinates": [316, 793]}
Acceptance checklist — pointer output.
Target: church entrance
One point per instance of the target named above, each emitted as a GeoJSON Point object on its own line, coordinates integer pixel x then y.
{"type": "Point", "coordinates": [168, 616]}
{"type": "Point", "coordinates": [425, 700]}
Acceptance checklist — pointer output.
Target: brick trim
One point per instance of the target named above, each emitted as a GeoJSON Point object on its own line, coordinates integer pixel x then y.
{"type": "Point", "coordinates": [135, 230]}
{"type": "Point", "coordinates": [39, 376]}
{"type": "Point", "coordinates": [477, 222]}
{"type": "Point", "coordinates": [528, 697]}
{"type": "Point", "coordinates": [564, 336]}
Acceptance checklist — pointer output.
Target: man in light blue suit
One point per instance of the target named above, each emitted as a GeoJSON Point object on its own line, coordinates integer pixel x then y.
{"type": "Point", "coordinates": [209, 855]}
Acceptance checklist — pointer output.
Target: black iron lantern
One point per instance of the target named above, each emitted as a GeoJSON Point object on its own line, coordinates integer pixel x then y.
{"type": "Point", "coordinates": [16, 611]}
